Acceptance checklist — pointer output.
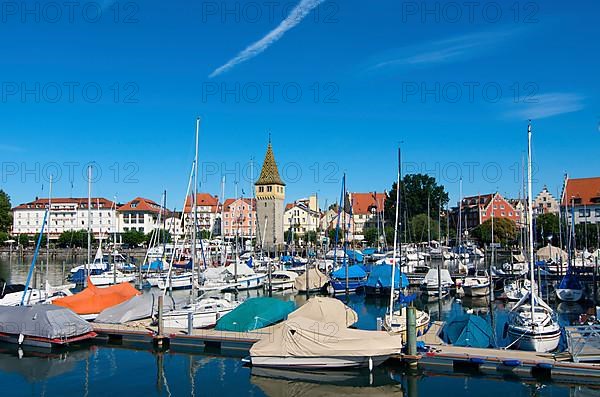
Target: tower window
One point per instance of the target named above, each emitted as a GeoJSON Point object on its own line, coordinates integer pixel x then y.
{"type": "Point", "coordinates": [261, 189]}
{"type": "Point", "coordinates": [269, 189]}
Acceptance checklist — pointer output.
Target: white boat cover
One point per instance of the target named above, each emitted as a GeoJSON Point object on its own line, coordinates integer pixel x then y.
{"type": "Point", "coordinates": [432, 277]}
{"type": "Point", "coordinates": [136, 308]}
{"type": "Point", "coordinates": [242, 269]}
{"type": "Point", "coordinates": [213, 273]}
{"type": "Point", "coordinates": [304, 337]}
{"type": "Point", "coordinates": [326, 310]}
{"type": "Point", "coordinates": [550, 252]}
{"type": "Point", "coordinates": [42, 321]}
{"type": "Point", "coordinates": [316, 279]}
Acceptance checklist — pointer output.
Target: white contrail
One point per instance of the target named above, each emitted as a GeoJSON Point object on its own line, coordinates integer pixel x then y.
{"type": "Point", "coordinates": [294, 18]}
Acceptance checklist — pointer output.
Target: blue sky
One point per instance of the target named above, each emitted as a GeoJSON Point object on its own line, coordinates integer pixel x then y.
{"type": "Point", "coordinates": [337, 84]}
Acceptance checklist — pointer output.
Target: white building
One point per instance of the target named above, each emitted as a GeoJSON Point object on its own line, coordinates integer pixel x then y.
{"type": "Point", "coordinates": [66, 214]}
{"type": "Point", "coordinates": [302, 216]}
{"type": "Point", "coordinates": [139, 214]}
{"type": "Point", "coordinates": [584, 195]}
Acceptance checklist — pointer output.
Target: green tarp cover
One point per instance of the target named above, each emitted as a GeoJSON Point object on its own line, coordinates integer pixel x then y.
{"type": "Point", "coordinates": [255, 313]}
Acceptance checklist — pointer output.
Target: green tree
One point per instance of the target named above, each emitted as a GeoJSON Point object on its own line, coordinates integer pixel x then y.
{"type": "Point", "coordinates": [546, 225]}
{"type": "Point", "coordinates": [23, 240]}
{"type": "Point", "coordinates": [415, 190]}
{"type": "Point", "coordinates": [165, 236]}
{"type": "Point", "coordinates": [74, 238]}
{"type": "Point", "coordinates": [505, 231]}
{"type": "Point", "coordinates": [5, 212]}
{"type": "Point", "coordinates": [133, 238]}
{"type": "Point", "coordinates": [371, 236]}
{"type": "Point", "coordinates": [204, 234]}
{"type": "Point", "coordinates": [44, 239]}
{"type": "Point", "coordinates": [418, 228]}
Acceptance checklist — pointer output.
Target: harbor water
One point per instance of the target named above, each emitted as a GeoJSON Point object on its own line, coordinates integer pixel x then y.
{"type": "Point", "coordinates": [100, 369]}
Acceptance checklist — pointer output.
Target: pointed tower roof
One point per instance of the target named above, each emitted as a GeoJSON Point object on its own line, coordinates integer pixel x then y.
{"type": "Point", "coordinates": [269, 175]}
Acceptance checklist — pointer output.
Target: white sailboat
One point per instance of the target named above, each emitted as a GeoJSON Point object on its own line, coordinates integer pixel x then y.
{"type": "Point", "coordinates": [531, 324]}
{"type": "Point", "coordinates": [477, 284]}
{"type": "Point", "coordinates": [205, 313]}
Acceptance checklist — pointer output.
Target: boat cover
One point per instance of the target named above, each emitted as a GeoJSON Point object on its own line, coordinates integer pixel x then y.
{"type": "Point", "coordinates": [42, 321]}
{"type": "Point", "coordinates": [432, 277]}
{"type": "Point", "coordinates": [326, 310]}
{"type": "Point", "coordinates": [550, 252]}
{"type": "Point", "coordinates": [468, 330]}
{"type": "Point", "coordinates": [93, 300]}
{"type": "Point", "coordinates": [381, 277]}
{"type": "Point", "coordinates": [154, 266]}
{"type": "Point", "coordinates": [316, 279]}
{"type": "Point", "coordinates": [304, 337]}
{"type": "Point", "coordinates": [242, 269]}
{"type": "Point", "coordinates": [354, 271]}
{"type": "Point", "coordinates": [136, 308]}
{"type": "Point", "coordinates": [255, 313]}
{"type": "Point", "coordinates": [355, 256]}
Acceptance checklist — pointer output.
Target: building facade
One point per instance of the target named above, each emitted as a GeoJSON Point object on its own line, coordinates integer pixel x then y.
{"type": "Point", "coordinates": [478, 209]}
{"type": "Point", "coordinates": [270, 195]}
{"type": "Point", "coordinates": [66, 214]}
{"type": "Point", "coordinates": [302, 216]}
{"type": "Point", "coordinates": [140, 214]}
{"type": "Point", "coordinates": [545, 203]}
{"type": "Point", "coordinates": [367, 211]}
{"type": "Point", "coordinates": [207, 213]}
{"type": "Point", "coordinates": [584, 195]}
{"type": "Point", "coordinates": [239, 218]}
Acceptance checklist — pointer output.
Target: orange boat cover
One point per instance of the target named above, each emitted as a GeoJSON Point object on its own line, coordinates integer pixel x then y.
{"type": "Point", "coordinates": [92, 300]}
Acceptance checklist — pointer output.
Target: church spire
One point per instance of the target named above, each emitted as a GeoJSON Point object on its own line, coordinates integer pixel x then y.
{"type": "Point", "coordinates": [269, 174]}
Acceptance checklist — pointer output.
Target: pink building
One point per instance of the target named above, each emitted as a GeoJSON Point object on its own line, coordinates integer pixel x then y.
{"type": "Point", "coordinates": [239, 217]}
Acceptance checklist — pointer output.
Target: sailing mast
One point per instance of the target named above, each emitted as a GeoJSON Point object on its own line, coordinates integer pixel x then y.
{"type": "Point", "coordinates": [391, 308]}
{"type": "Point", "coordinates": [223, 246]}
{"type": "Point", "coordinates": [195, 264]}
{"type": "Point", "coordinates": [48, 230]}
{"type": "Point", "coordinates": [530, 217]}
{"type": "Point", "coordinates": [89, 227]}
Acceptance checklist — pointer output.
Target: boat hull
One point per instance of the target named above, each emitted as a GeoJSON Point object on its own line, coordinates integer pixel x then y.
{"type": "Point", "coordinates": [44, 342]}
{"type": "Point", "coordinates": [542, 342]}
{"type": "Point", "coordinates": [179, 319]}
{"type": "Point", "coordinates": [569, 295]}
{"type": "Point", "coordinates": [476, 291]}
{"type": "Point", "coordinates": [316, 362]}
{"type": "Point", "coordinates": [339, 286]}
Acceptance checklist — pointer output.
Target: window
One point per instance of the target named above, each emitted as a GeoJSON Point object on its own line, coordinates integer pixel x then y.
{"type": "Point", "coordinates": [269, 189]}
{"type": "Point", "coordinates": [261, 189]}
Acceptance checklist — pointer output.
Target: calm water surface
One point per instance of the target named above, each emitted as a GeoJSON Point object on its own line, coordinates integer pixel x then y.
{"type": "Point", "coordinates": [104, 370]}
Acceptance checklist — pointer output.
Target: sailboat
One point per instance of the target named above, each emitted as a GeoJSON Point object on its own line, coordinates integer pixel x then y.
{"type": "Point", "coordinates": [570, 289]}
{"type": "Point", "coordinates": [532, 324]}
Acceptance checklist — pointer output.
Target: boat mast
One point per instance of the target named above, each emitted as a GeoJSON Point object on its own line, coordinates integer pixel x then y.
{"type": "Point", "coordinates": [48, 230]}
{"type": "Point", "coordinates": [391, 308]}
{"type": "Point", "coordinates": [530, 217]}
{"type": "Point", "coordinates": [89, 227]}
{"type": "Point", "coordinates": [223, 246]}
{"type": "Point", "coordinates": [195, 213]}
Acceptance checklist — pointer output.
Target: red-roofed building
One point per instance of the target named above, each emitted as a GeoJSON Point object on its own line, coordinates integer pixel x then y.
{"type": "Point", "coordinates": [139, 214]}
{"type": "Point", "coordinates": [66, 214]}
{"type": "Point", "coordinates": [480, 208]}
{"type": "Point", "coordinates": [207, 212]}
{"type": "Point", "coordinates": [239, 218]}
{"type": "Point", "coordinates": [367, 209]}
{"type": "Point", "coordinates": [584, 195]}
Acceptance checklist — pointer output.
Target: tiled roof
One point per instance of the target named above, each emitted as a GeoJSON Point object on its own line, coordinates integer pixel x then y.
{"type": "Point", "coordinates": [585, 191]}
{"type": "Point", "coordinates": [202, 200]}
{"type": "Point", "coordinates": [269, 174]}
{"type": "Point", "coordinates": [248, 201]}
{"type": "Point", "coordinates": [481, 199]}
{"type": "Point", "coordinates": [140, 204]}
{"type": "Point", "coordinates": [81, 202]}
{"type": "Point", "coordinates": [362, 203]}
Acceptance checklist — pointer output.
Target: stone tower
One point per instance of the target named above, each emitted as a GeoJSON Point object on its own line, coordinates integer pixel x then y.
{"type": "Point", "coordinates": [270, 194]}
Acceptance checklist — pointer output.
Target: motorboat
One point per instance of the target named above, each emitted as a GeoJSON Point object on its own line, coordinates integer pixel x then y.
{"type": "Point", "coordinates": [357, 278]}
{"type": "Point", "coordinates": [13, 294]}
{"type": "Point", "coordinates": [477, 284]}
{"type": "Point", "coordinates": [282, 280]}
{"type": "Point", "coordinates": [205, 312]}
{"type": "Point", "coordinates": [431, 286]}
{"type": "Point", "coordinates": [183, 280]}
{"type": "Point", "coordinates": [109, 277]}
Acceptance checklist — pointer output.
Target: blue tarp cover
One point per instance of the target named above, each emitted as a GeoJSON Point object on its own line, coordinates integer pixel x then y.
{"type": "Point", "coordinates": [381, 276]}
{"type": "Point", "coordinates": [354, 271]}
{"type": "Point", "coordinates": [468, 330]}
{"type": "Point", "coordinates": [255, 313]}
{"type": "Point", "coordinates": [570, 281]}
{"type": "Point", "coordinates": [157, 265]}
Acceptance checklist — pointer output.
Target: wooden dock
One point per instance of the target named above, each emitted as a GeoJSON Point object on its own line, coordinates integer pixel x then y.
{"type": "Point", "coordinates": [439, 357]}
